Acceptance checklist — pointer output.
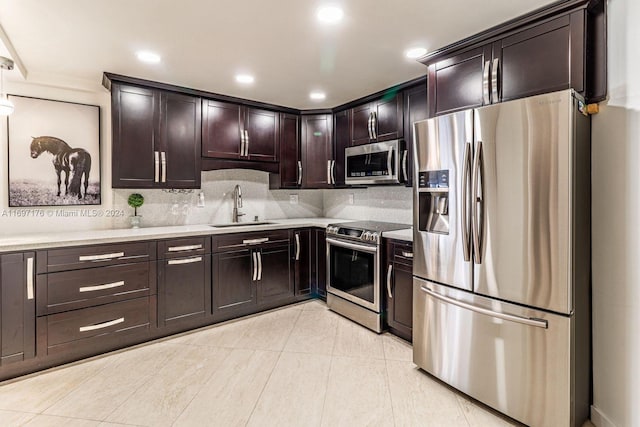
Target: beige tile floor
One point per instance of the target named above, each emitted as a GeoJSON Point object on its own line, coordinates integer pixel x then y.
{"type": "Point", "coordinates": [302, 365]}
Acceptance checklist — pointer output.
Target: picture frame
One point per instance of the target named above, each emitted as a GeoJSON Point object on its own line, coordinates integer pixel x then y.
{"type": "Point", "coordinates": [54, 153]}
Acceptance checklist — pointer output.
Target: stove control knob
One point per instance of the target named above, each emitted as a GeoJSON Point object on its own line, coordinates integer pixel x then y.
{"type": "Point", "coordinates": [375, 237]}
{"type": "Point", "coordinates": [366, 236]}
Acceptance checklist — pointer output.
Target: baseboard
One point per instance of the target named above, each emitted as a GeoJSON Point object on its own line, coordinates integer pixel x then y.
{"type": "Point", "coordinates": [599, 419]}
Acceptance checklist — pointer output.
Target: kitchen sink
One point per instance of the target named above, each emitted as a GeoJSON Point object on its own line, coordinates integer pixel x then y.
{"type": "Point", "coordinates": [242, 224]}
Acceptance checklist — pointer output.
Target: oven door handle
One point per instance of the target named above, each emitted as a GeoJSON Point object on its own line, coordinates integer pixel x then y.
{"type": "Point", "coordinates": [354, 246]}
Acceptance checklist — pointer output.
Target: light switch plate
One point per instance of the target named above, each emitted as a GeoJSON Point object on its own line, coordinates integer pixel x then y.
{"type": "Point", "coordinates": [293, 199]}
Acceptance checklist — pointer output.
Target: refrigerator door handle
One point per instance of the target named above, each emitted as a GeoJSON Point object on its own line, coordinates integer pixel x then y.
{"type": "Point", "coordinates": [477, 203]}
{"type": "Point", "coordinates": [486, 96]}
{"type": "Point", "coordinates": [538, 323]}
{"type": "Point", "coordinates": [466, 169]}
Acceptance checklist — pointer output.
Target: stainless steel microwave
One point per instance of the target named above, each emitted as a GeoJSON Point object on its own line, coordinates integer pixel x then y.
{"type": "Point", "coordinates": [376, 163]}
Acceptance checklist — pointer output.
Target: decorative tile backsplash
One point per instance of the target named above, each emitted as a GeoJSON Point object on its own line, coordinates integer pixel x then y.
{"type": "Point", "coordinates": [383, 203]}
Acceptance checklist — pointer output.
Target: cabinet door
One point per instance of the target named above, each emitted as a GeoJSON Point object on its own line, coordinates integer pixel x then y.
{"type": "Point", "coordinates": [302, 259]}
{"type": "Point", "coordinates": [456, 83]}
{"type": "Point", "coordinates": [262, 133]}
{"type": "Point", "coordinates": [389, 118]}
{"type": "Point", "coordinates": [290, 160]}
{"type": "Point", "coordinates": [17, 307]}
{"type": "Point", "coordinates": [274, 273]}
{"type": "Point", "coordinates": [342, 137]}
{"type": "Point", "coordinates": [184, 290]}
{"type": "Point", "coordinates": [317, 151]}
{"type": "Point", "coordinates": [221, 128]}
{"type": "Point", "coordinates": [319, 263]}
{"type": "Point", "coordinates": [360, 124]}
{"type": "Point", "coordinates": [233, 288]}
{"type": "Point", "coordinates": [399, 291]}
{"type": "Point", "coordinates": [539, 60]}
{"type": "Point", "coordinates": [135, 118]}
{"type": "Point", "coordinates": [181, 142]}
{"type": "Point", "coordinates": [415, 109]}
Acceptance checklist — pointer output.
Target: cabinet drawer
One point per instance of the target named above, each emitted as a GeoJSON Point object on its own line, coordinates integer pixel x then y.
{"type": "Point", "coordinates": [77, 327]}
{"type": "Point", "coordinates": [242, 240]}
{"type": "Point", "coordinates": [94, 256]}
{"type": "Point", "coordinates": [70, 290]}
{"type": "Point", "coordinates": [403, 254]}
{"type": "Point", "coordinates": [176, 248]}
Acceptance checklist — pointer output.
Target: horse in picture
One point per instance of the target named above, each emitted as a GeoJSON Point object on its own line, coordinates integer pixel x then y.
{"type": "Point", "coordinates": [74, 161]}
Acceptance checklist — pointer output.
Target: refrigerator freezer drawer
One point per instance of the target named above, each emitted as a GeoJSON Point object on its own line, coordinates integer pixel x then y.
{"type": "Point", "coordinates": [514, 359]}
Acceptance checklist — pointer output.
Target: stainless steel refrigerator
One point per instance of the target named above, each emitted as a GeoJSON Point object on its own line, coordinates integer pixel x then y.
{"type": "Point", "coordinates": [502, 256]}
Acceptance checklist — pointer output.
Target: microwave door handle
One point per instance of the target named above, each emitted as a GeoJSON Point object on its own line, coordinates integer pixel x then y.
{"type": "Point", "coordinates": [464, 223]}
{"type": "Point", "coordinates": [390, 161]}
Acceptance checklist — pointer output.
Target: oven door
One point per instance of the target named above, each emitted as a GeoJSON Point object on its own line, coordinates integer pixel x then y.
{"type": "Point", "coordinates": [353, 272]}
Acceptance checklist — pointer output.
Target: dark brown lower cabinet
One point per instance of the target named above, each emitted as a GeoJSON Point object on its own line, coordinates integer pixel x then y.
{"type": "Point", "coordinates": [302, 261]}
{"type": "Point", "coordinates": [17, 307]}
{"type": "Point", "coordinates": [319, 263]}
{"type": "Point", "coordinates": [233, 287]}
{"type": "Point", "coordinates": [275, 275]}
{"type": "Point", "coordinates": [398, 287]}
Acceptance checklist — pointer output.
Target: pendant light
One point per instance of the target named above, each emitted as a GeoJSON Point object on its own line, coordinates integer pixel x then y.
{"type": "Point", "coordinates": [6, 106]}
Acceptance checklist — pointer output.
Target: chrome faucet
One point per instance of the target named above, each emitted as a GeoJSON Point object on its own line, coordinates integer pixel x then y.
{"type": "Point", "coordinates": [237, 203]}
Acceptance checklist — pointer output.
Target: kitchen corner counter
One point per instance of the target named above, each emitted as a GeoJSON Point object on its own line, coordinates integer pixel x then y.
{"type": "Point", "coordinates": [405, 234]}
{"type": "Point", "coordinates": [25, 242]}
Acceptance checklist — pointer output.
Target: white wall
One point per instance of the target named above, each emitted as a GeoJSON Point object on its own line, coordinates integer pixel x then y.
{"type": "Point", "coordinates": [616, 230]}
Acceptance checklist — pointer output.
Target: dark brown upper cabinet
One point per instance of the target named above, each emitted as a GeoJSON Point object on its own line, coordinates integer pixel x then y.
{"type": "Point", "coordinates": [290, 167]}
{"type": "Point", "coordinates": [342, 140]}
{"type": "Point", "coordinates": [415, 109]}
{"type": "Point", "coordinates": [156, 138]}
{"type": "Point", "coordinates": [17, 307]}
{"type": "Point", "coordinates": [236, 132]}
{"type": "Point", "coordinates": [318, 167]}
{"type": "Point", "coordinates": [380, 120]}
{"type": "Point", "coordinates": [555, 48]}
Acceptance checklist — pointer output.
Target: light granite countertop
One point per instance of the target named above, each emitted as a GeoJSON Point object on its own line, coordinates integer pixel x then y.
{"type": "Point", "coordinates": [23, 242]}
{"type": "Point", "coordinates": [405, 234]}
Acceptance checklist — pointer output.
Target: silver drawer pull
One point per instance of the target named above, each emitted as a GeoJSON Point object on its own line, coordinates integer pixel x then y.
{"type": "Point", "coordinates": [30, 278]}
{"type": "Point", "coordinates": [255, 241]}
{"type": "Point", "coordinates": [101, 257]}
{"type": "Point", "coordinates": [101, 325]}
{"type": "Point", "coordinates": [101, 287]}
{"type": "Point", "coordinates": [184, 248]}
{"type": "Point", "coordinates": [407, 254]}
{"type": "Point", "coordinates": [184, 261]}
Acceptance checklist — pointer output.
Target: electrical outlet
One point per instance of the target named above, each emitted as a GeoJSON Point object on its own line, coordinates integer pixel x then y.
{"type": "Point", "coordinates": [293, 199]}
{"type": "Point", "coordinates": [350, 199]}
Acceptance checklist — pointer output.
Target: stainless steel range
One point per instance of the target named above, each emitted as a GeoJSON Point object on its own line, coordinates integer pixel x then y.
{"type": "Point", "coordinates": [353, 270]}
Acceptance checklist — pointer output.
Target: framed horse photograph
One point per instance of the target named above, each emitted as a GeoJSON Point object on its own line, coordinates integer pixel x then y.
{"type": "Point", "coordinates": [54, 153]}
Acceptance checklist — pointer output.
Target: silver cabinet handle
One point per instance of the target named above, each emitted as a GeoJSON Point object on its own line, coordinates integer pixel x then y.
{"type": "Point", "coordinates": [101, 257]}
{"type": "Point", "coordinates": [299, 172]}
{"type": "Point", "coordinates": [297, 246]}
{"type": "Point", "coordinates": [390, 161]}
{"type": "Point", "coordinates": [241, 142]}
{"type": "Point", "coordinates": [328, 171]}
{"type": "Point", "coordinates": [486, 98]}
{"type": "Point", "coordinates": [246, 143]}
{"type": "Point", "coordinates": [101, 325]}
{"type": "Point", "coordinates": [255, 241]}
{"type": "Point", "coordinates": [374, 125]}
{"type": "Point", "coordinates": [254, 255]}
{"type": "Point", "coordinates": [333, 172]}
{"type": "Point", "coordinates": [156, 156]}
{"type": "Point", "coordinates": [538, 323]}
{"type": "Point", "coordinates": [464, 223]}
{"type": "Point", "coordinates": [369, 125]}
{"type": "Point", "coordinates": [404, 165]}
{"type": "Point", "coordinates": [477, 202]}
{"type": "Point", "coordinates": [163, 161]}
{"type": "Point", "coordinates": [389, 272]}
{"type": "Point", "coordinates": [407, 254]}
{"type": "Point", "coordinates": [259, 265]}
{"type": "Point", "coordinates": [184, 248]}
{"type": "Point", "coordinates": [495, 89]}
{"type": "Point", "coordinates": [30, 278]}
{"type": "Point", "coordinates": [101, 287]}
{"type": "Point", "coordinates": [184, 260]}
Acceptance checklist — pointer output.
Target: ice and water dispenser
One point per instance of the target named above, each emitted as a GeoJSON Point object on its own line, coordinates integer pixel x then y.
{"type": "Point", "coordinates": [433, 190]}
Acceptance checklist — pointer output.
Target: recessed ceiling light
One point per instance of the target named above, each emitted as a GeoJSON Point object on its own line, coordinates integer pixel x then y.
{"type": "Point", "coordinates": [148, 56]}
{"type": "Point", "coordinates": [317, 96]}
{"type": "Point", "coordinates": [415, 52]}
{"type": "Point", "coordinates": [244, 78]}
{"type": "Point", "coordinates": [330, 14]}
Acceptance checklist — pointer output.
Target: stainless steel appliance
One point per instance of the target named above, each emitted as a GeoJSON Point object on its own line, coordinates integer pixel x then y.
{"type": "Point", "coordinates": [502, 256]}
{"type": "Point", "coordinates": [376, 163]}
{"type": "Point", "coordinates": [353, 270]}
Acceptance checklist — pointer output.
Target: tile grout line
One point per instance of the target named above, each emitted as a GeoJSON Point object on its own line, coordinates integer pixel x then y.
{"type": "Point", "coordinates": [332, 355]}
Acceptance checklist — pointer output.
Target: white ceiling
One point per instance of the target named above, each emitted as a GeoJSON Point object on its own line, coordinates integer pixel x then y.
{"type": "Point", "coordinates": [204, 43]}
